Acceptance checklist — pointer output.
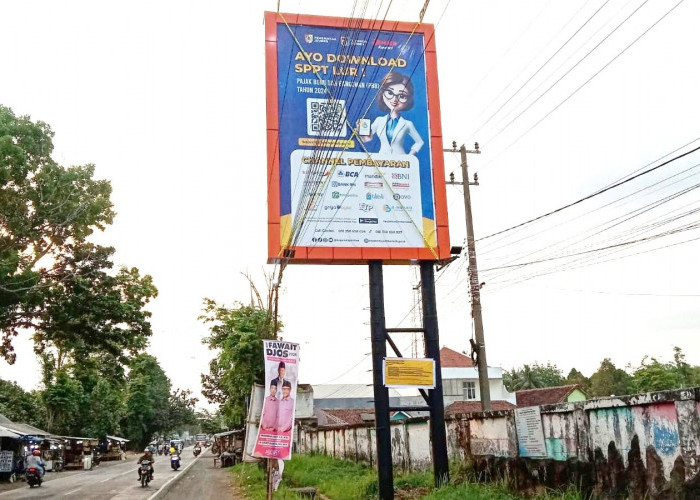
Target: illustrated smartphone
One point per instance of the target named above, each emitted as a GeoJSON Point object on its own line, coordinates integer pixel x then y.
{"type": "Point", "coordinates": [364, 127]}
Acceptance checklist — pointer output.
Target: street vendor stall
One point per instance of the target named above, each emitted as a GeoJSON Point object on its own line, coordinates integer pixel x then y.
{"type": "Point", "coordinates": [113, 448]}
{"type": "Point", "coordinates": [9, 451]}
{"type": "Point", "coordinates": [78, 451]}
{"type": "Point", "coordinates": [229, 446]}
{"type": "Point", "coordinates": [20, 440]}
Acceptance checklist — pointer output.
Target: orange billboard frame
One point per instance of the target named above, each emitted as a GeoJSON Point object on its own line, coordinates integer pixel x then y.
{"type": "Point", "coordinates": [352, 254]}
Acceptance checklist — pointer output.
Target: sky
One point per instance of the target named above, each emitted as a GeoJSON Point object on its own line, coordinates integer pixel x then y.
{"type": "Point", "coordinates": [565, 98]}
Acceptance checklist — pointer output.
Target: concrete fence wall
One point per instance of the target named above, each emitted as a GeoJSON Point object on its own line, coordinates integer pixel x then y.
{"type": "Point", "coordinates": [642, 446]}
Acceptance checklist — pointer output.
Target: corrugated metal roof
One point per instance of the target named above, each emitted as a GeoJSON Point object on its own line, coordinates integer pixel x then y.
{"type": "Point", "coordinates": [4, 432]}
{"type": "Point", "coordinates": [340, 391]}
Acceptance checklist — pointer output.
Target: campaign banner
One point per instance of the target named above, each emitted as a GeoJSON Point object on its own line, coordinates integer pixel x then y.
{"type": "Point", "coordinates": [356, 166]}
{"type": "Point", "coordinates": [275, 432]}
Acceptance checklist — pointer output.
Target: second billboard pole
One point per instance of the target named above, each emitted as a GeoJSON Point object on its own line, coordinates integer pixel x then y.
{"type": "Point", "coordinates": [381, 393]}
{"type": "Point", "coordinates": [434, 397]}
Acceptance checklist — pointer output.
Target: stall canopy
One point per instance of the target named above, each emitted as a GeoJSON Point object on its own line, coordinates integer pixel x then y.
{"type": "Point", "coordinates": [22, 429]}
{"type": "Point", "coordinates": [228, 433]}
{"type": "Point", "coordinates": [4, 432]}
{"type": "Point", "coordinates": [117, 438]}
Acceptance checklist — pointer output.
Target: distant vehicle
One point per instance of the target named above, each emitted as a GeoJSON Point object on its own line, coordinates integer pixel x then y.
{"type": "Point", "coordinates": [175, 461]}
{"type": "Point", "coordinates": [177, 444]}
{"type": "Point", "coordinates": [200, 438]}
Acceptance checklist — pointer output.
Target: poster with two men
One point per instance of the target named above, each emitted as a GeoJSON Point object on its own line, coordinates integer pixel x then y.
{"type": "Point", "coordinates": [275, 433]}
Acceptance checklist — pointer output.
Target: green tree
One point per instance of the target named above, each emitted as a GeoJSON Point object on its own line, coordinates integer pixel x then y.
{"type": "Point", "coordinates": [653, 375]}
{"type": "Point", "coordinates": [88, 310]}
{"type": "Point", "coordinates": [147, 400]}
{"type": "Point", "coordinates": [578, 378]}
{"type": "Point", "coordinates": [533, 377]}
{"type": "Point", "coordinates": [609, 380]}
{"type": "Point", "coordinates": [210, 422]}
{"type": "Point", "coordinates": [19, 405]}
{"type": "Point", "coordinates": [52, 282]}
{"type": "Point", "coordinates": [105, 409]}
{"type": "Point", "coordinates": [63, 401]}
{"type": "Point", "coordinates": [236, 333]}
{"type": "Point", "coordinates": [181, 410]}
{"type": "Point", "coordinates": [44, 210]}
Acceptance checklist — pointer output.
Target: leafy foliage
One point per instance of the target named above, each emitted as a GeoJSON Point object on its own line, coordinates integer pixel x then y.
{"type": "Point", "coordinates": [147, 400]}
{"type": "Point", "coordinates": [63, 402]}
{"type": "Point", "coordinates": [45, 210]}
{"type": "Point", "coordinates": [653, 375]}
{"type": "Point", "coordinates": [533, 377]}
{"type": "Point", "coordinates": [236, 333]}
{"type": "Point", "coordinates": [19, 405]}
{"type": "Point", "coordinates": [609, 380]}
{"type": "Point", "coordinates": [575, 377]}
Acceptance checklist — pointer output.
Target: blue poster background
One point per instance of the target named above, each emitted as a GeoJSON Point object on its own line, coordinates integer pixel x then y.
{"type": "Point", "coordinates": [328, 46]}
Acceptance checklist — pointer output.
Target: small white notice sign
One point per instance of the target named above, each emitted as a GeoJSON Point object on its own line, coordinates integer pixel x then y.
{"type": "Point", "coordinates": [528, 425]}
{"type": "Point", "coordinates": [5, 461]}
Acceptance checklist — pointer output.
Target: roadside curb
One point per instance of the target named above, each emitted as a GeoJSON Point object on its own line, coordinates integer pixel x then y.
{"type": "Point", "coordinates": [173, 480]}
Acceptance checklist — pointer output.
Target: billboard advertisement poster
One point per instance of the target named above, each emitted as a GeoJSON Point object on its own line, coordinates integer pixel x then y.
{"type": "Point", "coordinates": [275, 432]}
{"type": "Point", "coordinates": [355, 160]}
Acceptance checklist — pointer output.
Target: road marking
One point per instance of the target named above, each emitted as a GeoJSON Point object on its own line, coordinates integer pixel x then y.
{"type": "Point", "coordinates": [71, 492]}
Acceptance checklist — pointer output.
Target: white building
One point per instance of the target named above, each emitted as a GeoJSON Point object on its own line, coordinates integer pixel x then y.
{"type": "Point", "coordinates": [460, 379]}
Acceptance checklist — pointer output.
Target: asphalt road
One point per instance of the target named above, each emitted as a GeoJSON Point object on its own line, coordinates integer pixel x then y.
{"type": "Point", "coordinates": [203, 480]}
{"type": "Point", "coordinates": [111, 480]}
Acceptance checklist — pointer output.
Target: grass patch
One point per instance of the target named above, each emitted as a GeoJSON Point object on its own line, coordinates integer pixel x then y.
{"type": "Point", "coordinates": [341, 480]}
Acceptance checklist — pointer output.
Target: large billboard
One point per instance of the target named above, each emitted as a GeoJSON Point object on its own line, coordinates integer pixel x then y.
{"type": "Point", "coordinates": [355, 169]}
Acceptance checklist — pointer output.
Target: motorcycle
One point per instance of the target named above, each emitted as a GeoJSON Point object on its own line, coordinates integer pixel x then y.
{"type": "Point", "coordinates": [33, 476]}
{"type": "Point", "coordinates": [175, 461]}
{"type": "Point", "coordinates": [197, 450]}
{"type": "Point", "coordinates": [145, 473]}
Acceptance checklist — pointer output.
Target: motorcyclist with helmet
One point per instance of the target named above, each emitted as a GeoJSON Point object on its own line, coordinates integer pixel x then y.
{"type": "Point", "coordinates": [147, 455]}
{"type": "Point", "coordinates": [34, 460]}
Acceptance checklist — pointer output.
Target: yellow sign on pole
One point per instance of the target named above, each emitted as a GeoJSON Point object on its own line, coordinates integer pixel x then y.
{"type": "Point", "coordinates": [409, 372]}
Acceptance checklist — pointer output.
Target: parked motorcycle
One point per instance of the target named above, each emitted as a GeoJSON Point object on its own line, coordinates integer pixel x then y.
{"type": "Point", "coordinates": [145, 473]}
{"type": "Point", "coordinates": [175, 461]}
{"type": "Point", "coordinates": [197, 450]}
{"type": "Point", "coordinates": [33, 476]}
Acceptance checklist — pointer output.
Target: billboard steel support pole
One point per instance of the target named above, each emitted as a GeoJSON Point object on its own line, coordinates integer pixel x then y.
{"type": "Point", "coordinates": [438, 435]}
{"type": "Point", "coordinates": [381, 393]}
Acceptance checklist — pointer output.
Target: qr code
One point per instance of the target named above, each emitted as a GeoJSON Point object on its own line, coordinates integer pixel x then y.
{"type": "Point", "coordinates": [325, 117]}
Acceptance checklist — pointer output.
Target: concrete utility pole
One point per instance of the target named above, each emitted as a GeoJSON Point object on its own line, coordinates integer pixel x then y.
{"type": "Point", "coordinates": [474, 284]}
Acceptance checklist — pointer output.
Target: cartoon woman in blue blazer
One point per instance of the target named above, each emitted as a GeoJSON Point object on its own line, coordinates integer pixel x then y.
{"type": "Point", "coordinates": [395, 96]}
